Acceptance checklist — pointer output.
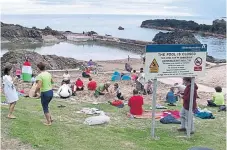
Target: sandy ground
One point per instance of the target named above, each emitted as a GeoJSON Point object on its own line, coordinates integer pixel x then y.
{"type": "Point", "coordinates": [214, 76]}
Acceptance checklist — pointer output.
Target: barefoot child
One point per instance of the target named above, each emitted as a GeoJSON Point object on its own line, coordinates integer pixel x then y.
{"type": "Point", "coordinates": [10, 92]}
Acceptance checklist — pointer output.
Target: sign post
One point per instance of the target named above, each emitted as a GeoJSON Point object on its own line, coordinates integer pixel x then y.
{"type": "Point", "coordinates": [190, 117]}
{"type": "Point", "coordinates": [183, 60]}
{"type": "Point", "coordinates": [153, 108]}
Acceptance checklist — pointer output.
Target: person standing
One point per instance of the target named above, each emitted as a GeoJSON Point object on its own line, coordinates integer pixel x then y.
{"type": "Point", "coordinates": [128, 58]}
{"type": "Point", "coordinates": [10, 92]}
{"type": "Point", "coordinates": [186, 102]}
{"type": "Point", "coordinates": [45, 81]}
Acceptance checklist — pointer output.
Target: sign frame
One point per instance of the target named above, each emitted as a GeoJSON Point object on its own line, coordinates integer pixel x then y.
{"type": "Point", "coordinates": [154, 68]}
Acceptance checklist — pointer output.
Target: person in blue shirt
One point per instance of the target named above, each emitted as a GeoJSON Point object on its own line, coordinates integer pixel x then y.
{"type": "Point", "coordinates": [171, 97]}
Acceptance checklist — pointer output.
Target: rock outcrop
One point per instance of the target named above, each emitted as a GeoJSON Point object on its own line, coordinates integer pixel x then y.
{"type": "Point", "coordinates": [17, 33]}
{"type": "Point", "coordinates": [218, 28]}
{"type": "Point", "coordinates": [121, 28]}
{"type": "Point", "coordinates": [16, 59]}
{"type": "Point", "coordinates": [181, 37]}
{"type": "Point", "coordinates": [176, 37]}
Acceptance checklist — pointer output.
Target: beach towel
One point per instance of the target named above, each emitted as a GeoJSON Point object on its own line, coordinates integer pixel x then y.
{"type": "Point", "coordinates": [174, 113]}
{"type": "Point", "coordinates": [27, 72]}
{"type": "Point", "coordinates": [146, 115]}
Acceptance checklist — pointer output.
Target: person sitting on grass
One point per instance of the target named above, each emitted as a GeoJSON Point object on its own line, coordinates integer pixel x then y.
{"type": "Point", "coordinates": [136, 103]}
{"type": "Point", "coordinates": [86, 73]}
{"type": "Point", "coordinates": [91, 85]}
{"type": "Point", "coordinates": [170, 97]}
{"type": "Point", "coordinates": [79, 85]}
{"type": "Point", "coordinates": [218, 98]}
{"type": "Point", "coordinates": [148, 88]}
{"type": "Point", "coordinates": [185, 109]}
{"type": "Point", "coordinates": [118, 103]}
{"type": "Point", "coordinates": [117, 92]}
{"type": "Point", "coordinates": [64, 91]}
{"type": "Point", "coordinates": [101, 88]}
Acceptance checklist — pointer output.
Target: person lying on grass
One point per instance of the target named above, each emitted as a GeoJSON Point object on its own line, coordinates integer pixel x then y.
{"type": "Point", "coordinates": [136, 103]}
{"type": "Point", "coordinates": [185, 109]}
{"type": "Point", "coordinates": [45, 81]}
{"type": "Point", "coordinates": [10, 91]}
{"type": "Point", "coordinates": [116, 92]}
{"type": "Point", "coordinates": [218, 98]}
{"type": "Point", "coordinates": [170, 97]}
{"type": "Point", "coordinates": [101, 89]}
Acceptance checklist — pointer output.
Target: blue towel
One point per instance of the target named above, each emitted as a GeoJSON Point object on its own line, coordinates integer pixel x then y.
{"type": "Point", "coordinates": [169, 119]}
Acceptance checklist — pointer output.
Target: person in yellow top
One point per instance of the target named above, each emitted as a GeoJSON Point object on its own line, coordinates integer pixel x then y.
{"type": "Point", "coordinates": [218, 98]}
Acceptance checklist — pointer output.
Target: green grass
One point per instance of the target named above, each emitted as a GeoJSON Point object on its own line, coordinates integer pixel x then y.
{"type": "Point", "coordinates": [69, 133]}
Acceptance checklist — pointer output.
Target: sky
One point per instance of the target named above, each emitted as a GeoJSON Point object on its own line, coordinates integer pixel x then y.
{"type": "Point", "coordinates": [212, 8]}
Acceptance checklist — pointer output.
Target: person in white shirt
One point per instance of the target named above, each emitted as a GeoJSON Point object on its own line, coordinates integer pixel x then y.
{"type": "Point", "coordinates": [180, 88]}
{"type": "Point", "coordinates": [64, 91]}
{"type": "Point", "coordinates": [66, 77]}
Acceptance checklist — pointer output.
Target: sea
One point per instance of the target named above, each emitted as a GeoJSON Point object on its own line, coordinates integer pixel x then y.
{"type": "Point", "coordinates": [104, 24]}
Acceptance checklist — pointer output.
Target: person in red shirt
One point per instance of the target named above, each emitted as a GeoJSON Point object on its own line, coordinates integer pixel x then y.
{"type": "Point", "coordinates": [91, 85]}
{"type": "Point", "coordinates": [79, 85]}
{"type": "Point", "coordinates": [136, 103]}
{"type": "Point", "coordinates": [27, 63]}
{"type": "Point", "coordinates": [185, 109]}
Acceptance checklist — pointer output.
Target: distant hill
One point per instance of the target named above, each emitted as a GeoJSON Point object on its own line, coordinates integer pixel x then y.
{"type": "Point", "coordinates": [218, 28]}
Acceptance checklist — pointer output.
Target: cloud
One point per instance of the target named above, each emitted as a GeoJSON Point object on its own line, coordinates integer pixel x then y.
{"type": "Point", "coordinates": [143, 7]}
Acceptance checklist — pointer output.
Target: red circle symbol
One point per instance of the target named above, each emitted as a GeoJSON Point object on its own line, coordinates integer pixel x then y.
{"type": "Point", "coordinates": [198, 61]}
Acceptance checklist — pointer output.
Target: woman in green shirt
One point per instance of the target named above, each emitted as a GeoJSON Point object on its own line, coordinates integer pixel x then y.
{"type": "Point", "coordinates": [44, 84]}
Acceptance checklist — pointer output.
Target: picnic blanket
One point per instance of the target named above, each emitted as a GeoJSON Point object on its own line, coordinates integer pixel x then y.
{"type": "Point", "coordinates": [174, 113]}
{"type": "Point", "coordinates": [158, 115]}
{"type": "Point", "coordinates": [147, 114]}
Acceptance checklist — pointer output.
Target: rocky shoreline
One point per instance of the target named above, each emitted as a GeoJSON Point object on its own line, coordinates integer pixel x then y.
{"type": "Point", "coordinates": [217, 29]}
{"type": "Point", "coordinates": [16, 58]}
{"type": "Point", "coordinates": [13, 35]}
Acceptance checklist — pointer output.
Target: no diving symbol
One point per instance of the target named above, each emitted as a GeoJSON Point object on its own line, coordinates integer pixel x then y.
{"type": "Point", "coordinates": [198, 61]}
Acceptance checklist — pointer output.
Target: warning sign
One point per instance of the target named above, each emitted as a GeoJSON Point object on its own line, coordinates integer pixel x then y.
{"type": "Point", "coordinates": [198, 62]}
{"type": "Point", "coordinates": [154, 67]}
{"type": "Point", "coordinates": [175, 61]}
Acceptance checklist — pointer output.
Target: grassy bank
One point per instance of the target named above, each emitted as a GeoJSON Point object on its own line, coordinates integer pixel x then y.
{"type": "Point", "coordinates": [69, 133]}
